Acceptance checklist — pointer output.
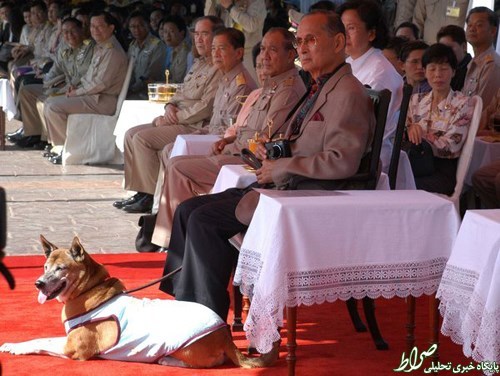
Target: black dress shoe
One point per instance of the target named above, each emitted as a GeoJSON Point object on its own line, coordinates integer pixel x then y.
{"type": "Point", "coordinates": [28, 141]}
{"type": "Point", "coordinates": [15, 136]}
{"type": "Point", "coordinates": [144, 205]}
{"type": "Point", "coordinates": [56, 159]}
{"type": "Point", "coordinates": [128, 201]}
{"type": "Point", "coordinates": [40, 145]}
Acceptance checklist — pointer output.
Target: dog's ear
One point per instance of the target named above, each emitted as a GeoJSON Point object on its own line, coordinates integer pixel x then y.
{"type": "Point", "coordinates": [47, 246]}
{"type": "Point", "coordinates": [77, 251]}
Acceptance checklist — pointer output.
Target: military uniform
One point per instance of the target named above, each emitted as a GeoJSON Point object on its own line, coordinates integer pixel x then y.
{"type": "Point", "coordinates": [245, 15]}
{"type": "Point", "coordinates": [97, 93]}
{"type": "Point", "coordinates": [69, 66]}
{"type": "Point", "coordinates": [177, 61]}
{"type": "Point", "coordinates": [483, 76]}
{"type": "Point", "coordinates": [431, 15]}
{"type": "Point", "coordinates": [148, 66]}
{"type": "Point", "coordinates": [144, 142]}
{"type": "Point", "coordinates": [233, 88]}
{"type": "Point", "coordinates": [188, 176]}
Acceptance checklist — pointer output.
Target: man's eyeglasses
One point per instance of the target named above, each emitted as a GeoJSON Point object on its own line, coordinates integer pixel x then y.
{"type": "Point", "coordinates": [309, 41]}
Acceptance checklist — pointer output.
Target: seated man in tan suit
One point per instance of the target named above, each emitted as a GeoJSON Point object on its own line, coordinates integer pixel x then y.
{"type": "Point", "coordinates": [329, 133]}
{"type": "Point", "coordinates": [231, 81]}
{"type": "Point", "coordinates": [99, 88]}
{"type": "Point", "coordinates": [71, 63]}
{"type": "Point", "coordinates": [188, 176]}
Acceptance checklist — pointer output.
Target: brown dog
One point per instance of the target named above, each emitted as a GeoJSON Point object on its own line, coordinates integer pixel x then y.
{"type": "Point", "coordinates": [99, 319]}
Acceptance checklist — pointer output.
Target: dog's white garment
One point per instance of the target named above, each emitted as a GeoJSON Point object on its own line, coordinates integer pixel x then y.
{"type": "Point", "coordinates": [151, 329]}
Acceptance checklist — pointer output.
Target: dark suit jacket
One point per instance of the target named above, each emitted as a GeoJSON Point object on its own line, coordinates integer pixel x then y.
{"type": "Point", "coordinates": [333, 138]}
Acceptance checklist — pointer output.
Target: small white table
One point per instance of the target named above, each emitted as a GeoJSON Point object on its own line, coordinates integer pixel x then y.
{"type": "Point", "coordinates": [308, 247]}
{"type": "Point", "coordinates": [484, 153]}
{"type": "Point", "coordinates": [240, 176]}
{"type": "Point", "coordinates": [193, 144]}
{"type": "Point", "coordinates": [134, 113]}
{"type": "Point", "coordinates": [470, 287]}
{"type": "Point", "coordinates": [7, 101]}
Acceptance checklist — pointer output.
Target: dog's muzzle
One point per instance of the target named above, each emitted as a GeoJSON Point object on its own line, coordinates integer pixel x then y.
{"type": "Point", "coordinates": [44, 295]}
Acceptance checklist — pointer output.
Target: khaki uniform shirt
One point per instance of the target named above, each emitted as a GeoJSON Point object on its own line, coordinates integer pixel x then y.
{"type": "Point", "coordinates": [404, 12]}
{"type": "Point", "coordinates": [430, 16]}
{"type": "Point", "coordinates": [107, 70]}
{"type": "Point", "coordinates": [483, 76]}
{"type": "Point", "coordinates": [246, 15]}
{"type": "Point", "coordinates": [233, 88]}
{"type": "Point", "coordinates": [69, 67]}
{"type": "Point", "coordinates": [195, 100]}
{"type": "Point", "coordinates": [178, 62]}
{"type": "Point", "coordinates": [41, 40]}
{"type": "Point", "coordinates": [148, 65]}
{"type": "Point", "coordinates": [279, 96]}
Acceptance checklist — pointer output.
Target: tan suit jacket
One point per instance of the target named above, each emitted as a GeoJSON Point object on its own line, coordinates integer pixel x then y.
{"type": "Point", "coordinates": [334, 136]}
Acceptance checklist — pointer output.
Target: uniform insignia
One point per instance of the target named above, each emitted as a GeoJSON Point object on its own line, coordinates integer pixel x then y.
{"type": "Point", "coordinates": [154, 41]}
{"type": "Point", "coordinates": [108, 45]}
{"type": "Point", "coordinates": [240, 79]}
{"type": "Point", "coordinates": [86, 42]}
{"type": "Point", "coordinates": [488, 59]}
{"type": "Point", "coordinates": [289, 81]}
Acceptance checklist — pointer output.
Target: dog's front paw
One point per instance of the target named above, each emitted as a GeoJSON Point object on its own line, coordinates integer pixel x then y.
{"type": "Point", "coordinates": [16, 348]}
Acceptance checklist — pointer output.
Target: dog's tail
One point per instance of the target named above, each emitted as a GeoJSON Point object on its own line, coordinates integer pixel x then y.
{"type": "Point", "coordinates": [241, 360]}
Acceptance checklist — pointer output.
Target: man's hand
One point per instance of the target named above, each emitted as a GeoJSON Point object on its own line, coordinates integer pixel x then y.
{"type": "Point", "coordinates": [171, 114]}
{"type": "Point", "coordinates": [264, 174]}
{"type": "Point", "coordinates": [218, 146]}
{"type": "Point", "coordinates": [159, 121]}
{"type": "Point", "coordinates": [71, 92]}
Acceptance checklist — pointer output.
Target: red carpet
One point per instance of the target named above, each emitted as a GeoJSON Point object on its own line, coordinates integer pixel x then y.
{"type": "Point", "coordinates": [327, 342]}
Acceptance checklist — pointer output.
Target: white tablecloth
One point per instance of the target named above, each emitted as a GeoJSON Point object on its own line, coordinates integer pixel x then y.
{"type": "Point", "coordinates": [470, 287]}
{"type": "Point", "coordinates": [306, 247]}
{"type": "Point", "coordinates": [238, 176]}
{"type": "Point", "coordinates": [135, 113]}
{"type": "Point", "coordinates": [484, 153]}
{"type": "Point", "coordinates": [7, 101]}
{"type": "Point", "coordinates": [193, 144]}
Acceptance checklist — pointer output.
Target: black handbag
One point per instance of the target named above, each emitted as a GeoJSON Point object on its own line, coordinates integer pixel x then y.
{"type": "Point", "coordinates": [421, 158]}
{"type": "Point", "coordinates": [143, 239]}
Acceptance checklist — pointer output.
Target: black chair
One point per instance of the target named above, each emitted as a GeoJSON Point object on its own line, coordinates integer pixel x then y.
{"type": "Point", "coordinates": [398, 136]}
{"type": "Point", "coordinates": [365, 179]}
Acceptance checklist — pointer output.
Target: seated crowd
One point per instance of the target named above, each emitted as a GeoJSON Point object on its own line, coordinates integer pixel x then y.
{"type": "Point", "coordinates": [308, 87]}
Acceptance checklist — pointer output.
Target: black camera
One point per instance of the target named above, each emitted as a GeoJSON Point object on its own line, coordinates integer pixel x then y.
{"type": "Point", "coordinates": [278, 149]}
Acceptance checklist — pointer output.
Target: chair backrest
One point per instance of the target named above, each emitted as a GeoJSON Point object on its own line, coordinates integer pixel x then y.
{"type": "Point", "coordinates": [466, 155]}
{"type": "Point", "coordinates": [370, 165]}
{"type": "Point", "coordinates": [398, 136]}
{"type": "Point", "coordinates": [126, 82]}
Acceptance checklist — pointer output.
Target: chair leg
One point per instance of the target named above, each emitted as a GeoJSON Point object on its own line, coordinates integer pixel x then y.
{"type": "Point", "coordinates": [237, 325]}
{"type": "Point", "coordinates": [369, 308]}
{"type": "Point", "coordinates": [352, 307]}
{"type": "Point", "coordinates": [2, 129]}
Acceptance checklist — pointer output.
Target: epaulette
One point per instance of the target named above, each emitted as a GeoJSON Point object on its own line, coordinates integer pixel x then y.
{"type": "Point", "coordinates": [240, 79]}
{"type": "Point", "coordinates": [289, 81]}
